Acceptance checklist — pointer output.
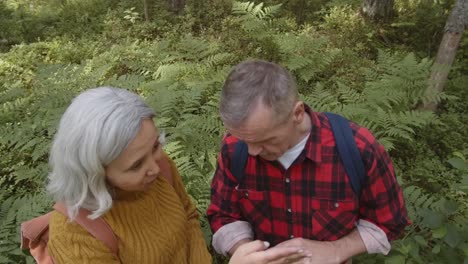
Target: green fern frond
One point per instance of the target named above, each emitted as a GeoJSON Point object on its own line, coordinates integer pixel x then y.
{"type": "Point", "coordinates": [272, 11]}
{"type": "Point", "coordinates": [387, 142]}
{"type": "Point", "coordinates": [296, 62]}
{"type": "Point", "coordinates": [321, 99]}
{"type": "Point", "coordinates": [347, 95]}
{"type": "Point", "coordinates": [242, 8]}
{"type": "Point", "coordinates": [170, 71]}
{"type": "Point", "coordinates": [256, 11]}
{"type": "Point", "coordinates": [13, 211]}
{"type": "Point", "coordinates": [304, 55]}
{"type": "Point", "coordinates": [218, 59]}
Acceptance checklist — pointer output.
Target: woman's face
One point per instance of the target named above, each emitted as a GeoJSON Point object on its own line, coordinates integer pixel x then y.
{"type": "Point", "coordinates": [137, 166]}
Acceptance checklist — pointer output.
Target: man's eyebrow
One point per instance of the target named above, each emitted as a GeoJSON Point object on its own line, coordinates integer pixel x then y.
{"type": "Point", "coordinates": [264, 140]}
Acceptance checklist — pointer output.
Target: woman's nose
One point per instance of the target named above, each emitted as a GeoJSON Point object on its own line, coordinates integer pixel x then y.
{"type": "Point", "coordinates": [154, 169]}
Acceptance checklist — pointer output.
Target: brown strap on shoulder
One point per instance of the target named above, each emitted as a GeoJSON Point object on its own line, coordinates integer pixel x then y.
{"type": "Point", "coordinates": [98, 227]}
{"type": "Point", "coordinates": [165, 167]}
{"type": "Point", "coordinates": [34, 230]}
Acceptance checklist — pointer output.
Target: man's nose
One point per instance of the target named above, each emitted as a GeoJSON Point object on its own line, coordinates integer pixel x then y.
{"type": "Point", "coordinates": [254, 150]}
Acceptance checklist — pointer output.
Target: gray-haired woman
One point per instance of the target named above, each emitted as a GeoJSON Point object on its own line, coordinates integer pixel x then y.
{"type": "Point", "coordinates": [107, 158]}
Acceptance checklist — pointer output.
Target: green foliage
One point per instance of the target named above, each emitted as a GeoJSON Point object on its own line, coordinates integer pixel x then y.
{"type": "Point", "coordinates": [347, 28]}
{"type": "Point", "coordinates": [305, 55]}
{"type": "Point", "coordinates": [392, 89]}
{"type": "Point", "coordinates": [251, 10]}
{"type": "Point", "coordinates": [438, 231]}
{"type": "Point", "coordinates": [420, 24]}
{"type": "Point", "coordinates": [439, 227]}
{"type": "Point", "coordinates": [14, 210]}
{"type": "Point", "coordinates": [179, 63]}
{"type": "Point", "coordinates": [460, 162]}
{"type": "Point", "coordinates": [203, 15]}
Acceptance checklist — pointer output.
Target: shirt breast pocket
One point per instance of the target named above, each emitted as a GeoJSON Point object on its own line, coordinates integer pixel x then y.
{"type": "Point", "coordinates": [255, 209]}
{"type": "Point", "coordinates": [332, 219]}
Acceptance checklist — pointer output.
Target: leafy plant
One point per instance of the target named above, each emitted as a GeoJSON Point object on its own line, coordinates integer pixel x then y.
{"type": "Point", "coordinates": [178, 64]}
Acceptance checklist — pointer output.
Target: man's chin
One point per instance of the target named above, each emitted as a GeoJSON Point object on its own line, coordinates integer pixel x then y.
{"type": "Point", "coordinates": [269, 157]}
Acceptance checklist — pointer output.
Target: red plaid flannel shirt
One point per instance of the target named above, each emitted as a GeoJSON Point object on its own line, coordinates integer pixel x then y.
{"type": "Point", "coordinates": [313, 198]}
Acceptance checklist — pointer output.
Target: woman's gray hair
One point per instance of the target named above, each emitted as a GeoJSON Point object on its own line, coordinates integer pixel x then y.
{"type": "Point", "coordinates": [257, 81]}
{"type": "Point", "coordinates": [97, 126]}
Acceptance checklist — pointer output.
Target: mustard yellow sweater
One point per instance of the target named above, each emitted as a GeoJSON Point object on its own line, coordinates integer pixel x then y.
{"type": "Point", "coordinates": [159, 225]}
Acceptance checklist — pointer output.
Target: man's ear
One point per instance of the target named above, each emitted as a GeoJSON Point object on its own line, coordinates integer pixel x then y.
{"type": "Point", "coordinates": [298, 112]}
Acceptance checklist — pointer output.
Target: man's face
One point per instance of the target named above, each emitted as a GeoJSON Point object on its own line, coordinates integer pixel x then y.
{"type": "Point", "coordinates": [265, 134]}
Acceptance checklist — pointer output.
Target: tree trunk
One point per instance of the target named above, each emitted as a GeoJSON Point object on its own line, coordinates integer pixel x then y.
{"type": "Point", "coordinates": [454, 27]}
{"type": "Point", "coordinates": [378, 9]}
{"type": "Point", "coordinates": [177, 6]}
{"type": "Point", "coordinates": [145, 10]}
{"type": "Point", "coordinates": [32, 5]}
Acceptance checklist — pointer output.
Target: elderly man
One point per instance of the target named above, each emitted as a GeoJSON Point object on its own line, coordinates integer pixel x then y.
{"type": "Point", "coordinates": [295, 190]}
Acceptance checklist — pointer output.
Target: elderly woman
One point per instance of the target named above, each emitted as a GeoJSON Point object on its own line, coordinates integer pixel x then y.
{"type": "Point", "coordinates": [107, 158]}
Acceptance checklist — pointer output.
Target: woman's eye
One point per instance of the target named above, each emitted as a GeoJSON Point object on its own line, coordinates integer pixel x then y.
{"type": "Point", "coordinates": [136, 166]}
{"type": "Point", "coordinates": [156, 147]}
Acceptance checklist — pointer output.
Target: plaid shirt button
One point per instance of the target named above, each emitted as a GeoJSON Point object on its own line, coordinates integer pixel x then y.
{"type": "Point", "coordinates": [287, 180]}
{"type": "Point", "coordinates": [337, 205]}
{"type": "Point", "coordinates": [289, 210]}
{"type": "Point", "coordinates": [291, 236]}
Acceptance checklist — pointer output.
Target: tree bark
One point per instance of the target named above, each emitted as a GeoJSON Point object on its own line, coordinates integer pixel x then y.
{"type": "Point", "coordinates": [378, 9]}
{"type": "Point", "coordinates": [177, 6]}
{"type": "Point", "coordinates": [146, 10]}
{"type": "Point", "coordinates": [32, 5]}
{"type": "Point", "coordinates": [454, 27]}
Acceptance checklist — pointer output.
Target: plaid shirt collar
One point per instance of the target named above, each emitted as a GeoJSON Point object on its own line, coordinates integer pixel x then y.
{"type": "Point", "coordinates": [313, 147]}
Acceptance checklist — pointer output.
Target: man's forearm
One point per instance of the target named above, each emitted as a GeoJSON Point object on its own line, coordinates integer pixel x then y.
{"type": "Point", "coordinates": [228, 237]}
{"type": "Point", "coordinates": [350, 245]}
{"type": "Point", "coordinates": [374, 237]}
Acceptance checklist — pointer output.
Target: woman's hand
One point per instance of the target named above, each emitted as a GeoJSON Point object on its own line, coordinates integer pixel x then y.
{"type": "Point", "coordinates": [257, 252]}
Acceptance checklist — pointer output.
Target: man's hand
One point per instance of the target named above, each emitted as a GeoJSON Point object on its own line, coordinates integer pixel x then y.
{"type": "Point", "coordinates": [256, 252]}
{"type": "Point", "coordinates": [321, 252]}
{"type": "Point", "coordinates": [329, 252]}
{"type": "Point", "coordinates": [237, 245]}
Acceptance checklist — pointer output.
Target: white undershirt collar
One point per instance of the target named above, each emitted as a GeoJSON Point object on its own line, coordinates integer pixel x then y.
{"type": "Point", "coordinates": [291, 154]}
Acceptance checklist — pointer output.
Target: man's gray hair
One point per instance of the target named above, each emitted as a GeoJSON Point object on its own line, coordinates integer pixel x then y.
{"type": "Point", "coordinates": [257, 81]}
{"type": "Point", "coordinates": [94, 130]}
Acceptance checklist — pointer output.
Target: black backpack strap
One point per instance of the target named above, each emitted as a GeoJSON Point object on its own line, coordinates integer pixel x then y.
{"type": "Point", "coordinates": [348, 151]}
{"type": "Point", "coordinates": [239, 160]}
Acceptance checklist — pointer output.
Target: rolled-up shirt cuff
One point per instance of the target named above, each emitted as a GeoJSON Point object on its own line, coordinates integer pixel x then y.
{"type": "Point", "coordinates": [374, 237]}
{"type": "Point", "coordinates": [228, 235]}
